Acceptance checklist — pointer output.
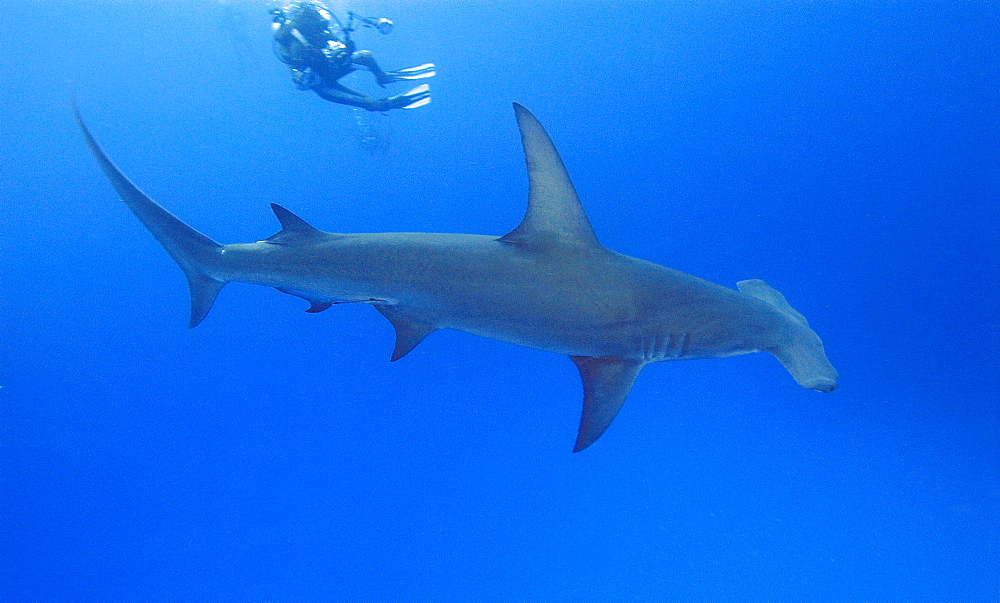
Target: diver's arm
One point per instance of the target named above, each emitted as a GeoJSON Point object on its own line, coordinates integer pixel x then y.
{"type": "Point", "coordinates": [350, 22]}
{"type": "Point", "coordinates": [336, 21]}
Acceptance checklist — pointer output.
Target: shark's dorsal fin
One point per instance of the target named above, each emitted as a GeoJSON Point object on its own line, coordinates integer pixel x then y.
{"type": "Point", "coordinates": [555, 217]}
{"type": "Point", "coordinates": [409, 332]}
{"type": "Point", "coordinates": [766, 293]}
{"type": "Point", "coordinates": [293, 228]}
{"type": "Point", "coordinates": [606, 384]}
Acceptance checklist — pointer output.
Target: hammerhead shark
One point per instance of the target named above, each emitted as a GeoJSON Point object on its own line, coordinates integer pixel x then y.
{"type": "Point", "coordinates": [548, 284]}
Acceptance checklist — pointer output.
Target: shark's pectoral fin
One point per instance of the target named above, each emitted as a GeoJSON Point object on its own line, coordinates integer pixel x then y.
{"type": "Point", "coordinates": [409, 332]}
{"type": "Point", "coordinates": [606, 384]}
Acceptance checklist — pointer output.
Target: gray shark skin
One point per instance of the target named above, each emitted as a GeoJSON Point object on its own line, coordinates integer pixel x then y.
{"type": "Point", "coordinates": [548, 284]}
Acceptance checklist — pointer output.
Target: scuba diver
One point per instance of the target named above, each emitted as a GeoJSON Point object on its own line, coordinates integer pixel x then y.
{"type": "Point", "coordinates": [318, 49]}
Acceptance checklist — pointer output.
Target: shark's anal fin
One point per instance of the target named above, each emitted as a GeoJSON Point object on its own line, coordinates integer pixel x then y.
{"type": "Point", "coordinates": [555, 216]}
{"type": "Point", "coordinates": [606, 384]}
{"type": "Point", "coordinates": [409, 332]}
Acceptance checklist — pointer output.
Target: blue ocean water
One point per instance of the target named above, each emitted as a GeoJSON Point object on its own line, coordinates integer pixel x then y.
{"type": "Point", "coordinates": [847, 153]}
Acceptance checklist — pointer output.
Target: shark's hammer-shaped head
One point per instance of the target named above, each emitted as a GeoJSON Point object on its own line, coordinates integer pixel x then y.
{"type": "Point", "coordinates": [805, 359]}
{"type": "Point", "coordinates": [792, 341]}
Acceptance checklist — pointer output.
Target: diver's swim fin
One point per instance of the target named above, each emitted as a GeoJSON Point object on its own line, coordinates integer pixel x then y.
{"type": "Point", "coordinates": [417, 97]}
{"type": "Point", "coordinates": [420, 103]}
{"type": "Point", "coordinates": [412, 73]}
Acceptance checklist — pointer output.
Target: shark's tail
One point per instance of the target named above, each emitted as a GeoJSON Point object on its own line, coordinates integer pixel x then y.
{"type": "Point", "coordinates": [194, 252]}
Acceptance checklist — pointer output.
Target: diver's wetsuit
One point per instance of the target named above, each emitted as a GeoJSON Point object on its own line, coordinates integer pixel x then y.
{"type": "Point", "coordinates": [319, 51]}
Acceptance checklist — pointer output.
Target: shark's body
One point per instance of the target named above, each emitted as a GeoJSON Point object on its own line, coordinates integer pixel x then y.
{"type": "Point", "coordinates": [549, 284]}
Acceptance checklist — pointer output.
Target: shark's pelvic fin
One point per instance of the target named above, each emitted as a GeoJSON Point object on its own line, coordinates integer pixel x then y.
{"type": "Point", "coordinates": [766, 293]}
{"type": "Point", "coordinates": [409, 332]}
{"type": "Point", "coordinates": [606, 384]}
{"type": "Point", "coordinates": [555, 217]}
{"type": "Point", "coordinates": [315, 304]}
{"type": "Point", "coordinates": [193, 251]}
{"type": "Point", "coordinates": [318, 306]}
{"type": "Point", "coordinates": [293, 228]}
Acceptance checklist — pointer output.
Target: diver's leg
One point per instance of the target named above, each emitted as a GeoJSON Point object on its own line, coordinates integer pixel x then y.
{"type": "Point", "coordinates": [335, 93]}
{"type": "Point", "coordinates": [338, 88]}
{"type": "Point", "coordinates": [367, 60]}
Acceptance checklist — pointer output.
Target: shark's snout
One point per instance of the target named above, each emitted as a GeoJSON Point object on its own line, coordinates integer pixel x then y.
{"type": "Point", "coordinates": [808, 365]}
{"type": "Point", "coordinates": [823, 385]}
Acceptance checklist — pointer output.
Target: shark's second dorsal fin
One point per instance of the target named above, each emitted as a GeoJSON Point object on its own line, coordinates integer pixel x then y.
{"type": "Point", "coordinates": [293, 228]}
{"type": "Point", "coordinates": [766, 293]}
{"type": "Point", "coordinates": [555, 217]}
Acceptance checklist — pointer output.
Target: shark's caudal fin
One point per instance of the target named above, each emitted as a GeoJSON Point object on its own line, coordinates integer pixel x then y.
{"type": "Point", "coordinates": [555, 216]}
{"type": "Point", "coordinates": [193, 251]}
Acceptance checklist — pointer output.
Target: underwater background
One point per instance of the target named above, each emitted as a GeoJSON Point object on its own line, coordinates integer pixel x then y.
{"type": "Point", "coordinates": [845, 152]}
